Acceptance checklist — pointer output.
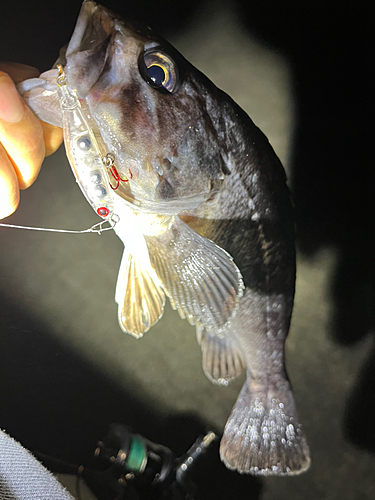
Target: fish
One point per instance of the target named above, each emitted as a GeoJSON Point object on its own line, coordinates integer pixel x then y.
{"type": "Point", "coordinates": [201, 203]}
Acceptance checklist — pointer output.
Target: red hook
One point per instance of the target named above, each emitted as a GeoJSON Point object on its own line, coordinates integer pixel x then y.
{"type": "Point", "coordinates": [117, 177]}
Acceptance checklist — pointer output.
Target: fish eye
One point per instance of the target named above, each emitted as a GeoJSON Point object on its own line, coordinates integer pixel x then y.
{"type": "Point", "coordinates": [159, 70]}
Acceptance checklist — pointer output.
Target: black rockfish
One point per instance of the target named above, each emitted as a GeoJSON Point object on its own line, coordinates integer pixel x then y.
{"type": "Point", "coordinates": [204, 213]}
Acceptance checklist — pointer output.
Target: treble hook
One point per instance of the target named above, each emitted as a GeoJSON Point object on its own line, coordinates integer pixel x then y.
{"type": "Point", "coordinates": [109, 161]}
{"type": "Point", "coordinates": [117, 177]}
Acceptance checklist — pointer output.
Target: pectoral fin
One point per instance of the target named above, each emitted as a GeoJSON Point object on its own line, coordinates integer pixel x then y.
{"type": "Point", "coordinates": [200, 278]}
{"type": "Point", "coordinates": [140, 298]}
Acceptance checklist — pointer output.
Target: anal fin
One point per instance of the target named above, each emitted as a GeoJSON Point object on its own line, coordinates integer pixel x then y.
{"type": "Point", "coordinates": [221, 359]}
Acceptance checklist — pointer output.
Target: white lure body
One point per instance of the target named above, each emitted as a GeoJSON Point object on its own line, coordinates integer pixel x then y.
{"type": "Point", "coordinates": [87, 163]}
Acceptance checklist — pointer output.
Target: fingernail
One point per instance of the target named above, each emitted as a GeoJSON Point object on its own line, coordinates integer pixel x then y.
{"type": "Point", "coordinates": [12, 107]}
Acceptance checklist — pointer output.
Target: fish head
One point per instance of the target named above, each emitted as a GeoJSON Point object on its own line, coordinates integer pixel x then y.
{"type": "Point", "coordinates": [153, 109]}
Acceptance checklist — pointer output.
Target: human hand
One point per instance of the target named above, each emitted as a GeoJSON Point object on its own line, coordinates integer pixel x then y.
{"type": "Point", "coordinates": [24, 140]}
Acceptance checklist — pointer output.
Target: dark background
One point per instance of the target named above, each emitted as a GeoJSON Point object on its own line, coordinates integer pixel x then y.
{"type": "Point", "coordinates": [56, 400]}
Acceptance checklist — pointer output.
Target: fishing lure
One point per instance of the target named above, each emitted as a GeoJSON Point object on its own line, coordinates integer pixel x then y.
{"type": "Point", "coordinates": [91, 169]}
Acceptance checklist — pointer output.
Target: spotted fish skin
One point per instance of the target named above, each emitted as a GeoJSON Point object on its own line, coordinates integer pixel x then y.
{"type": "Point", "coordinates": [206, 221]}
{"type": "Point", "coordinates": [253, 221]}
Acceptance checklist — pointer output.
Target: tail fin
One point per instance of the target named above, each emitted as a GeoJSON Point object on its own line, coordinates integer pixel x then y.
{"type": "Point", "coordinates": [263, 435]}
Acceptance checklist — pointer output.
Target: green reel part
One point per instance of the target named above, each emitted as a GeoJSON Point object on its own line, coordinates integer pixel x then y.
{"type": "Point", "coordinates": [137, 457]}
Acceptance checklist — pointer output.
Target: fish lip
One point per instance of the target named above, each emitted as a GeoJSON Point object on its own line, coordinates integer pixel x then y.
{"type": "Point", "coordinates": [94, 16]}
{"type": "Point", "coordinates": [87, 51]}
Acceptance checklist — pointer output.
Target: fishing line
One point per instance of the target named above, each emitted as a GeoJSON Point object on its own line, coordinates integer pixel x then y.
{"type": "Point", "coordinates": [96, 228]}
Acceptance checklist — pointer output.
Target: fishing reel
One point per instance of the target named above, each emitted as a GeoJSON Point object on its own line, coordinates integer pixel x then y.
{"type": "Point", "coordinates": [126, 466]}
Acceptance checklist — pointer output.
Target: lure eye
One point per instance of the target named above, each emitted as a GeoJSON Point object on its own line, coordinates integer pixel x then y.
{"type": "Point", "coordinates": [159, 70]}
{"type": "Point", "coordinates": [103, 211]}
